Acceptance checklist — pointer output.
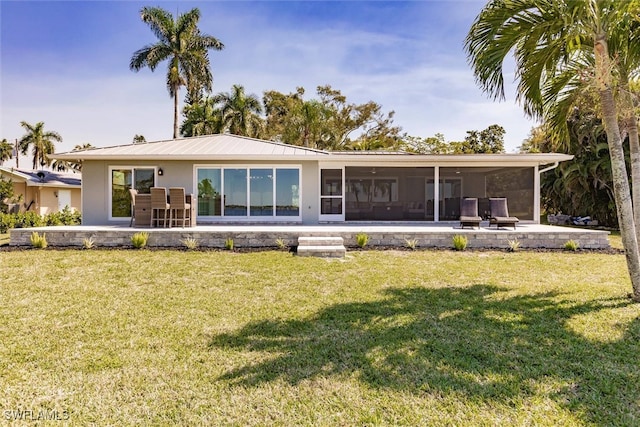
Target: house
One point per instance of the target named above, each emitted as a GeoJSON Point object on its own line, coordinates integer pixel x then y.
{"type": "Point", "coordinates": [43, 191]}
{"type": "Point", "coordinates": [243, 180]}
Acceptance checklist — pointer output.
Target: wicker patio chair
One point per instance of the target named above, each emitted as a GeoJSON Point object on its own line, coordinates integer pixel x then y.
{"type": "Point", "coordinates": [469, 213]}
{"type": "Point", "coordinates": [159, 205]}
{"type": "Point", "coordinates": [180, 210]}
{"type": "Point", "coordinates": [500, 213]}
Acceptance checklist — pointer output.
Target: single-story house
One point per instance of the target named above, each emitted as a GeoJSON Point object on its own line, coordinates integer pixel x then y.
{"type": "Point", "coordinates": [43, 191]}
{"type": "Point", "coordinates": [238, 179]}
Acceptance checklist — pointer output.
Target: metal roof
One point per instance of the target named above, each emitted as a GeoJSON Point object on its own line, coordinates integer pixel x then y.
{"type": "Point", "coordinates": [233, 147]}
{"type": "Point", "coordinates": [207, 147]}
{"type": "Point", "coordinates": [44, 178]}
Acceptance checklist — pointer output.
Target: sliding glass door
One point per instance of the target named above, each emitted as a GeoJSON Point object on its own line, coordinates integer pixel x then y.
{"type": "Point", "coordinates": [121, 180]}
{"type": "Point", "coordinates": [248, 193]}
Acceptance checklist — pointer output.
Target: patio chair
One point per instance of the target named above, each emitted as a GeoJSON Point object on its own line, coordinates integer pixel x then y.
{"type": "Point", "coordinates": [500, 213]}
{"type": "Point", "coordinates": [469, 213]}
{"type": "Point", "coordinates": [178, 204]}
{"type": "Point", "coordinates": [133, 192]}
{"type": "Point", "coordinates": [159, 205]}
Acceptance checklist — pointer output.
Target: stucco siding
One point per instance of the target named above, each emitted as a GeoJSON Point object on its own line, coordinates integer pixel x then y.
{"type": "Point", "coordinates": [95, 201]}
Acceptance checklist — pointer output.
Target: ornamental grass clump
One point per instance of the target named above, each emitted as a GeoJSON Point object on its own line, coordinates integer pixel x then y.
{"type": "Point", "coordinates": [281, 244]}
{"type": "Point", "coordinates": [571, 245]}
{"type": "Point", "coordinates": [88, 243]}
{"type": "Point", "coordinates": [460, 242]}
{"type": "Point", "coordinates": [139, 240]}
{"type": "Point", "coordinates": [38, 241]}
{"type": "Point", "coordinates": [190, 243]}
{"type": "Point", "coordinates": [411, 243]}
{"type": "Point", "coordinates": [228, 244]}
{"type": "Point", "coordinates": [362, 239]}
{"type": "Point", "coordinates": [514, 245]}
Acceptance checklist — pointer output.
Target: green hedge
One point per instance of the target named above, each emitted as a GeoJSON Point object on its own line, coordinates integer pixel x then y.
{"type": "Point", "coordinates": [32, 219]}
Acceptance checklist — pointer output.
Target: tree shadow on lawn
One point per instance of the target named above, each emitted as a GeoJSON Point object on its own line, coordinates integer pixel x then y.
{"type": "Point", "coordinates": [469, 340]}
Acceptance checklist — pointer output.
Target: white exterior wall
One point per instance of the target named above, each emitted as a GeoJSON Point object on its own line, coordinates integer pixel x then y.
{"type": "Point", "coordinates": [96, 191]}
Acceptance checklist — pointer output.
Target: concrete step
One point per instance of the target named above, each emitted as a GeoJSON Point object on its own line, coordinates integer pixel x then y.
{"type": "Point", "coordinates": [327, 247]}
{"type": "Point", "coordinates": [320, 241]}
{"type": "Point", "coordinates": [322, 251]}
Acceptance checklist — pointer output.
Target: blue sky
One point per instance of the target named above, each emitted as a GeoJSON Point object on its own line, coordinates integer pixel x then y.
{"type": "Point", "coordinates": [67, 64]}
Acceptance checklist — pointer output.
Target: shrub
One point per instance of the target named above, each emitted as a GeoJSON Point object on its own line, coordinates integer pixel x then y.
{"type": "Point", "coordinates": [460, 242]}
{"type": "Point", "coordinates": [190, 243]}
{"type": "Point", "coordinates": [514, 244]}
{"type": "Point", "coordinates": [139, 239]}
{"type": "Point", "coordinates": [362, 239]}
{"type": "Point", "coordinates": [67, 216]}
{"type": "Point", "coordinates": [228, 244]}
{"type": "Point", "coordinates": [31, 219]}
{"type": "Point", "coordinates": [411, 243]}
{"type": "Point", "coordinates": [7, 222]}
{"type": "Point", "coordinates": [38, 241]}
{"type": "Point", "coordinates": [282, 245]}
{"type": "Point", "coordinates": [88, 243]}
{"type": "Point", "coordinates": [571, 245]}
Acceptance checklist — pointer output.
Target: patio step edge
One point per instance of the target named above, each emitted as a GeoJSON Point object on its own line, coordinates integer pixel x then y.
{"type": "Point", "coordinates": [322, 251]}
{"type": "Point", "coordinates": [320, 241]}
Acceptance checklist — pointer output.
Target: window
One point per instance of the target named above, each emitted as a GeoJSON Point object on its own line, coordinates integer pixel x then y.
{"type": "Point", "coordinates": [209, 192]}
{"type": "Point", "coordinates": [122, 180]}
{"type": "Point", "coordinates": [261, 191]}
{"type": "Point", "coordinates": [287, 192]}
{"type": "Point", "coordinates": [235, 192]}
{"type": "Point", "coordinates": [248, 192]}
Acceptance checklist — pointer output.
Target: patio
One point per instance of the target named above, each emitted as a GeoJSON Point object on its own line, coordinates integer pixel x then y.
{"type": "Point", "coordinates": [263, 236]}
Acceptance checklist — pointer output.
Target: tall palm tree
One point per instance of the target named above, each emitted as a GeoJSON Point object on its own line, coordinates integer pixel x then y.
{"type": "Point", "coordinates": [41, 142]}
{"type": "Point", "coordinates": [181, 42]}
{"type": "Point", "coordinates": [556, 44]}
{"type": "Point", "coordinates": [240, 112]}
{"type": "Point", "coordinates": [6, 151]}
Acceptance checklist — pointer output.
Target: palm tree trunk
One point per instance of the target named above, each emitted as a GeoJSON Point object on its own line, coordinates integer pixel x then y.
{"type": "Point", "coordinates": [631, 124]}
{"type": "Point", "coordinates": [175, 111]}
{"type": "Point", "coordinates": [618, 168]}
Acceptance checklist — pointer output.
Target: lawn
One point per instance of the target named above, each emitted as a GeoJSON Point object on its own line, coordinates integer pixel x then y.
{"type": "Point", "coordinates": [266, 338]}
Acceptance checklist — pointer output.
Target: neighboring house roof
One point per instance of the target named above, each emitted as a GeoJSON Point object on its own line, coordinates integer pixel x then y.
{"type": "Point", "coordinates": [43, 178]}
{"type": "Point", "coordinates": [233, 147]}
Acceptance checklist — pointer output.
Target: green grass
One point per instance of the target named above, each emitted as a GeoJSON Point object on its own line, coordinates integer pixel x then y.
{"type": "Point", "coordinates": [4, 239]}
{"type": "Point", "coordinates": [381, 338]}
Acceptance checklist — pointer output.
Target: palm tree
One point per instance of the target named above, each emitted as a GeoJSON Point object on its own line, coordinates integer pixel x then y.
{"type": "Point", "coordinates": [557, 45]}
{"type": "Point", "coordinates": [139, 139]}
{"type": "Point", "coordinates": [85, 146]}
{"type": "Point", "coordinates": [240, 112]}
{"type": "Point", "coordinates": [41, 143]}
{"type": "Point", "coordinates": [181, 42]}
{"type": "Point", "coordinates": [6, 151]}
{"type": "Point", "coordinates": [201, 118]}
